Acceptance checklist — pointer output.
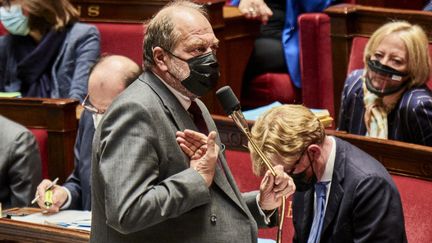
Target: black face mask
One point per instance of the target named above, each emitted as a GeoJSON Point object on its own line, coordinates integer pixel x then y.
{"type": "Point", "coordinates": [204, 73]}
{"type": "Point", "coordinates": [390, 73]}
{"type": "Point", "coordinates": [301, 181]}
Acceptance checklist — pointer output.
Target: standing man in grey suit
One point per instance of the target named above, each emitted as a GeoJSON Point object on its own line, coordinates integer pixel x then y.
{"type": "Point", "coordinates": [144, 188]}
{"type": "Point", "coordinates": [342, 193]}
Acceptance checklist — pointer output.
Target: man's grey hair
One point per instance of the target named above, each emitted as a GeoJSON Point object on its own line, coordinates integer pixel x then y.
{"type": "Point", "coordinates": [160, 29]}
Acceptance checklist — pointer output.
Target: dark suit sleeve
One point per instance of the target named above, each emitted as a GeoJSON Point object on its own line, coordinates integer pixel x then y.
{"type": "Point", "coordinates": [87, 50]}
{"type": "Point", "coordinates": [25, 171]}
{"type": "Point", "coordinates": [73, 183]}
{"type": "Point", "coordinates": [377, 212]}
{"type": "Point", "coordinates": [416, 115]}
{"type": "Point", "coordinates": [348, 94]}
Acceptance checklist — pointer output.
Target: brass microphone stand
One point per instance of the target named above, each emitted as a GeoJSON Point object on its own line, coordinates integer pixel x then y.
{"type": "Point", "coordinates": [241, 123]}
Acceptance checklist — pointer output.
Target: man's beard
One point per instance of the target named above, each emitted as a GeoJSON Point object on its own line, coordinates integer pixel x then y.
{"type": "Point", "coordinates": [179, 74]}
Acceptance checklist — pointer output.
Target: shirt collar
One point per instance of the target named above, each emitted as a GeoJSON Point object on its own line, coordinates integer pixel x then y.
{"type": "Point", "coordinates": [328, 171]}
{"type": "Point", "coordinates": [184, 100]}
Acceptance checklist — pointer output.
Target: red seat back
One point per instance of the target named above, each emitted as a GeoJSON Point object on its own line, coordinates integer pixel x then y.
{"type": "Point", "coordinates": [41, 136]}
{"type": "Point", "coordinates": [122, 39]}
{"type": "Point", "coordinates": [316, 61]}
{"type": "Point", "coordinates": [356, 55]}
{"type": "Point", "coordinates": [416, 198]}
{"type": "Point", "coordinates": [3, 31]}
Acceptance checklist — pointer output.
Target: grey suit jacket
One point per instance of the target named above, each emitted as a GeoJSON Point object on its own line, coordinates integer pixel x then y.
{"type": "Point", "coordinates": [364, 204]}
{"type": "Point", "coordinates": [20, 164]}
{"type": "Point", "coordinates": [142, 187]}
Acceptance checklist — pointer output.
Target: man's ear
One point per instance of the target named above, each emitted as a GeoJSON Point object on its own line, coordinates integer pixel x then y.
{"type": "Point", "coordinates": [314, 151]}
{"type": "Point", "coordinates": [159, 58]}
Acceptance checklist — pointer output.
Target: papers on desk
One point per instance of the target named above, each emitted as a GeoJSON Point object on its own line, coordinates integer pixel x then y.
{"type": "Point", "coordinates": [72, 219]}
{"type": "Point", "coordinates": [322, 114]}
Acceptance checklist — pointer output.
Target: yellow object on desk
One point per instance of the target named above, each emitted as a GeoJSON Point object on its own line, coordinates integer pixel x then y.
{"type": "Point", "coordinates": [48, 198]}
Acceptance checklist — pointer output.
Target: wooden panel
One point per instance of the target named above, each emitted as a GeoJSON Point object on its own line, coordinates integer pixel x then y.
{"type": "Point", "coordinates": [16, 231]}
{"type": "Point", "coordinates": [349, 21]}
{"type": "Point", "coordinates": [398, 157]}
{"type": "Point", "coordinates": [135, 10]}
{"type": "Point", "coordinates": [58, 117]}
{"type": "Point", "coordinates": [403, 4]}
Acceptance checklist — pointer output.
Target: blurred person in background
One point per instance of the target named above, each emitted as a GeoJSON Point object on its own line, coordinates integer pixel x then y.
{"type": "Point", "coordinates": [47, 52]}
{"type": "Point", "coordinates": [108, 78]}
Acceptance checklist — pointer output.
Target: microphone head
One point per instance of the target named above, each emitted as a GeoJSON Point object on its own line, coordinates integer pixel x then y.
{"type": "Point", "coordinates": [228, 100]}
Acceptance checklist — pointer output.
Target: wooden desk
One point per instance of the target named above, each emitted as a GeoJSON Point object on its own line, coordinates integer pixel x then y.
{"type": "Point", "coordinates": [17, 231]}
{"type": "Point", "coordinates": [349, 21]}
{"type": "Point", "coordinates": [398, 157]}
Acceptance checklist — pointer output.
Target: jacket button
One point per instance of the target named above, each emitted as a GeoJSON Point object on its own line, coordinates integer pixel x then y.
{"type": "Point", "coordinates": [213, 219]}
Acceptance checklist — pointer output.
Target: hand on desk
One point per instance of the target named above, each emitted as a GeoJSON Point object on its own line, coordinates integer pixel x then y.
{"type": "Point", "coordinates": [273, 188]}
{"type": "Point", "coordinates": [255, 9]}
{"type": "Point", "coordinates": [59, 196]}
{"type": "Point", "coordinates": [202, 151]}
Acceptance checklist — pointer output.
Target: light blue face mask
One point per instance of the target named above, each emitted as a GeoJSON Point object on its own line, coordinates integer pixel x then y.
{"type": "Point", "coordinates": [14, 20]}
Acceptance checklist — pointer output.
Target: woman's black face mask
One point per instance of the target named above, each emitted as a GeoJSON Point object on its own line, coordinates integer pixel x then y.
{"type": "Point", "coordinates": [204, 73]}
{"type": "Point", "coordinates": [391, 80]}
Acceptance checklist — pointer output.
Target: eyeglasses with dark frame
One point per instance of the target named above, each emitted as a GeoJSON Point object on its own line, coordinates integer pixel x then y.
{"type": "Point", "coordinates": [291, 171]}
{"type": "Point", "coordinates": [90, 107]}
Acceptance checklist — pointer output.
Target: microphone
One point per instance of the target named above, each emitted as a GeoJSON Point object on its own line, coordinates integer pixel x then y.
{"type": "Point", "coordinates": [232, 108]}
{"type": "Point", "coordinates": [228, 100]}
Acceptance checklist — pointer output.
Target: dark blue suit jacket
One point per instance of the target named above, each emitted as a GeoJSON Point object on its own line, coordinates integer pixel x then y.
{"type": "Point", "coordinates": [410, 121]}
{"type": "Point", "coordinates": [78, 182]}
{"type": "Point", "coordinates": [364, 204]}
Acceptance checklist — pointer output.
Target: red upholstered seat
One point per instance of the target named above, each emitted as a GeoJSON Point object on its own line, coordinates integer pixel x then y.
{"type": "Point", "coordinates": [122, 39]}
{"type": "Point", "coordinates": [3, 31]}
{"type": "Point", "coordinates": [269, 87]}
{"type": "Point", "coordinates": [356, 55]}
{"type": "Point", "coordinates": [315, 67]}
{"type": "Point", "coordinates": [41, 136]}
{"type": "Point", "coordinates": [241, 168]}
{"type": "Point", "coordinates": [416, 197]}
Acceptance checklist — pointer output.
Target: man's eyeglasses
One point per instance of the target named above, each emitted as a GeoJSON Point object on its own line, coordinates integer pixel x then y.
{"type": "Point", "coordinates": [88, 106]}
{"type": "Point", "coordinates": [291, 171]}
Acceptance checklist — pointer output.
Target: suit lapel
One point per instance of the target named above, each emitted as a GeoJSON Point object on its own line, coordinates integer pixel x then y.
{"type": "Point", "coordinates": [223, 178]}
{"type": "Point", "coordinates": [336, 191]}
{"type": "Point", "coordinates": [306, 223]}
{"type": "Point", "coordinates": [176, 111]}
{"type": "Point", "coordinates": [183, 121]}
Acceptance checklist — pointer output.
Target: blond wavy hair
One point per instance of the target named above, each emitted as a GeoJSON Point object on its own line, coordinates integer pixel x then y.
{"type": "Point", "coordinates": [417, 46]}
{"type": "Point", "coordinates": [285, 131]}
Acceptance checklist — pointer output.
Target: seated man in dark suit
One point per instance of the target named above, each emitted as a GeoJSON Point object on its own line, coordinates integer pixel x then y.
{"type": "Point", "coordinates": [20, 164]}
{"type": "Point", "coordinates": [363, 203]}
{"type": "Point", "coordinates": [109, 77]}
